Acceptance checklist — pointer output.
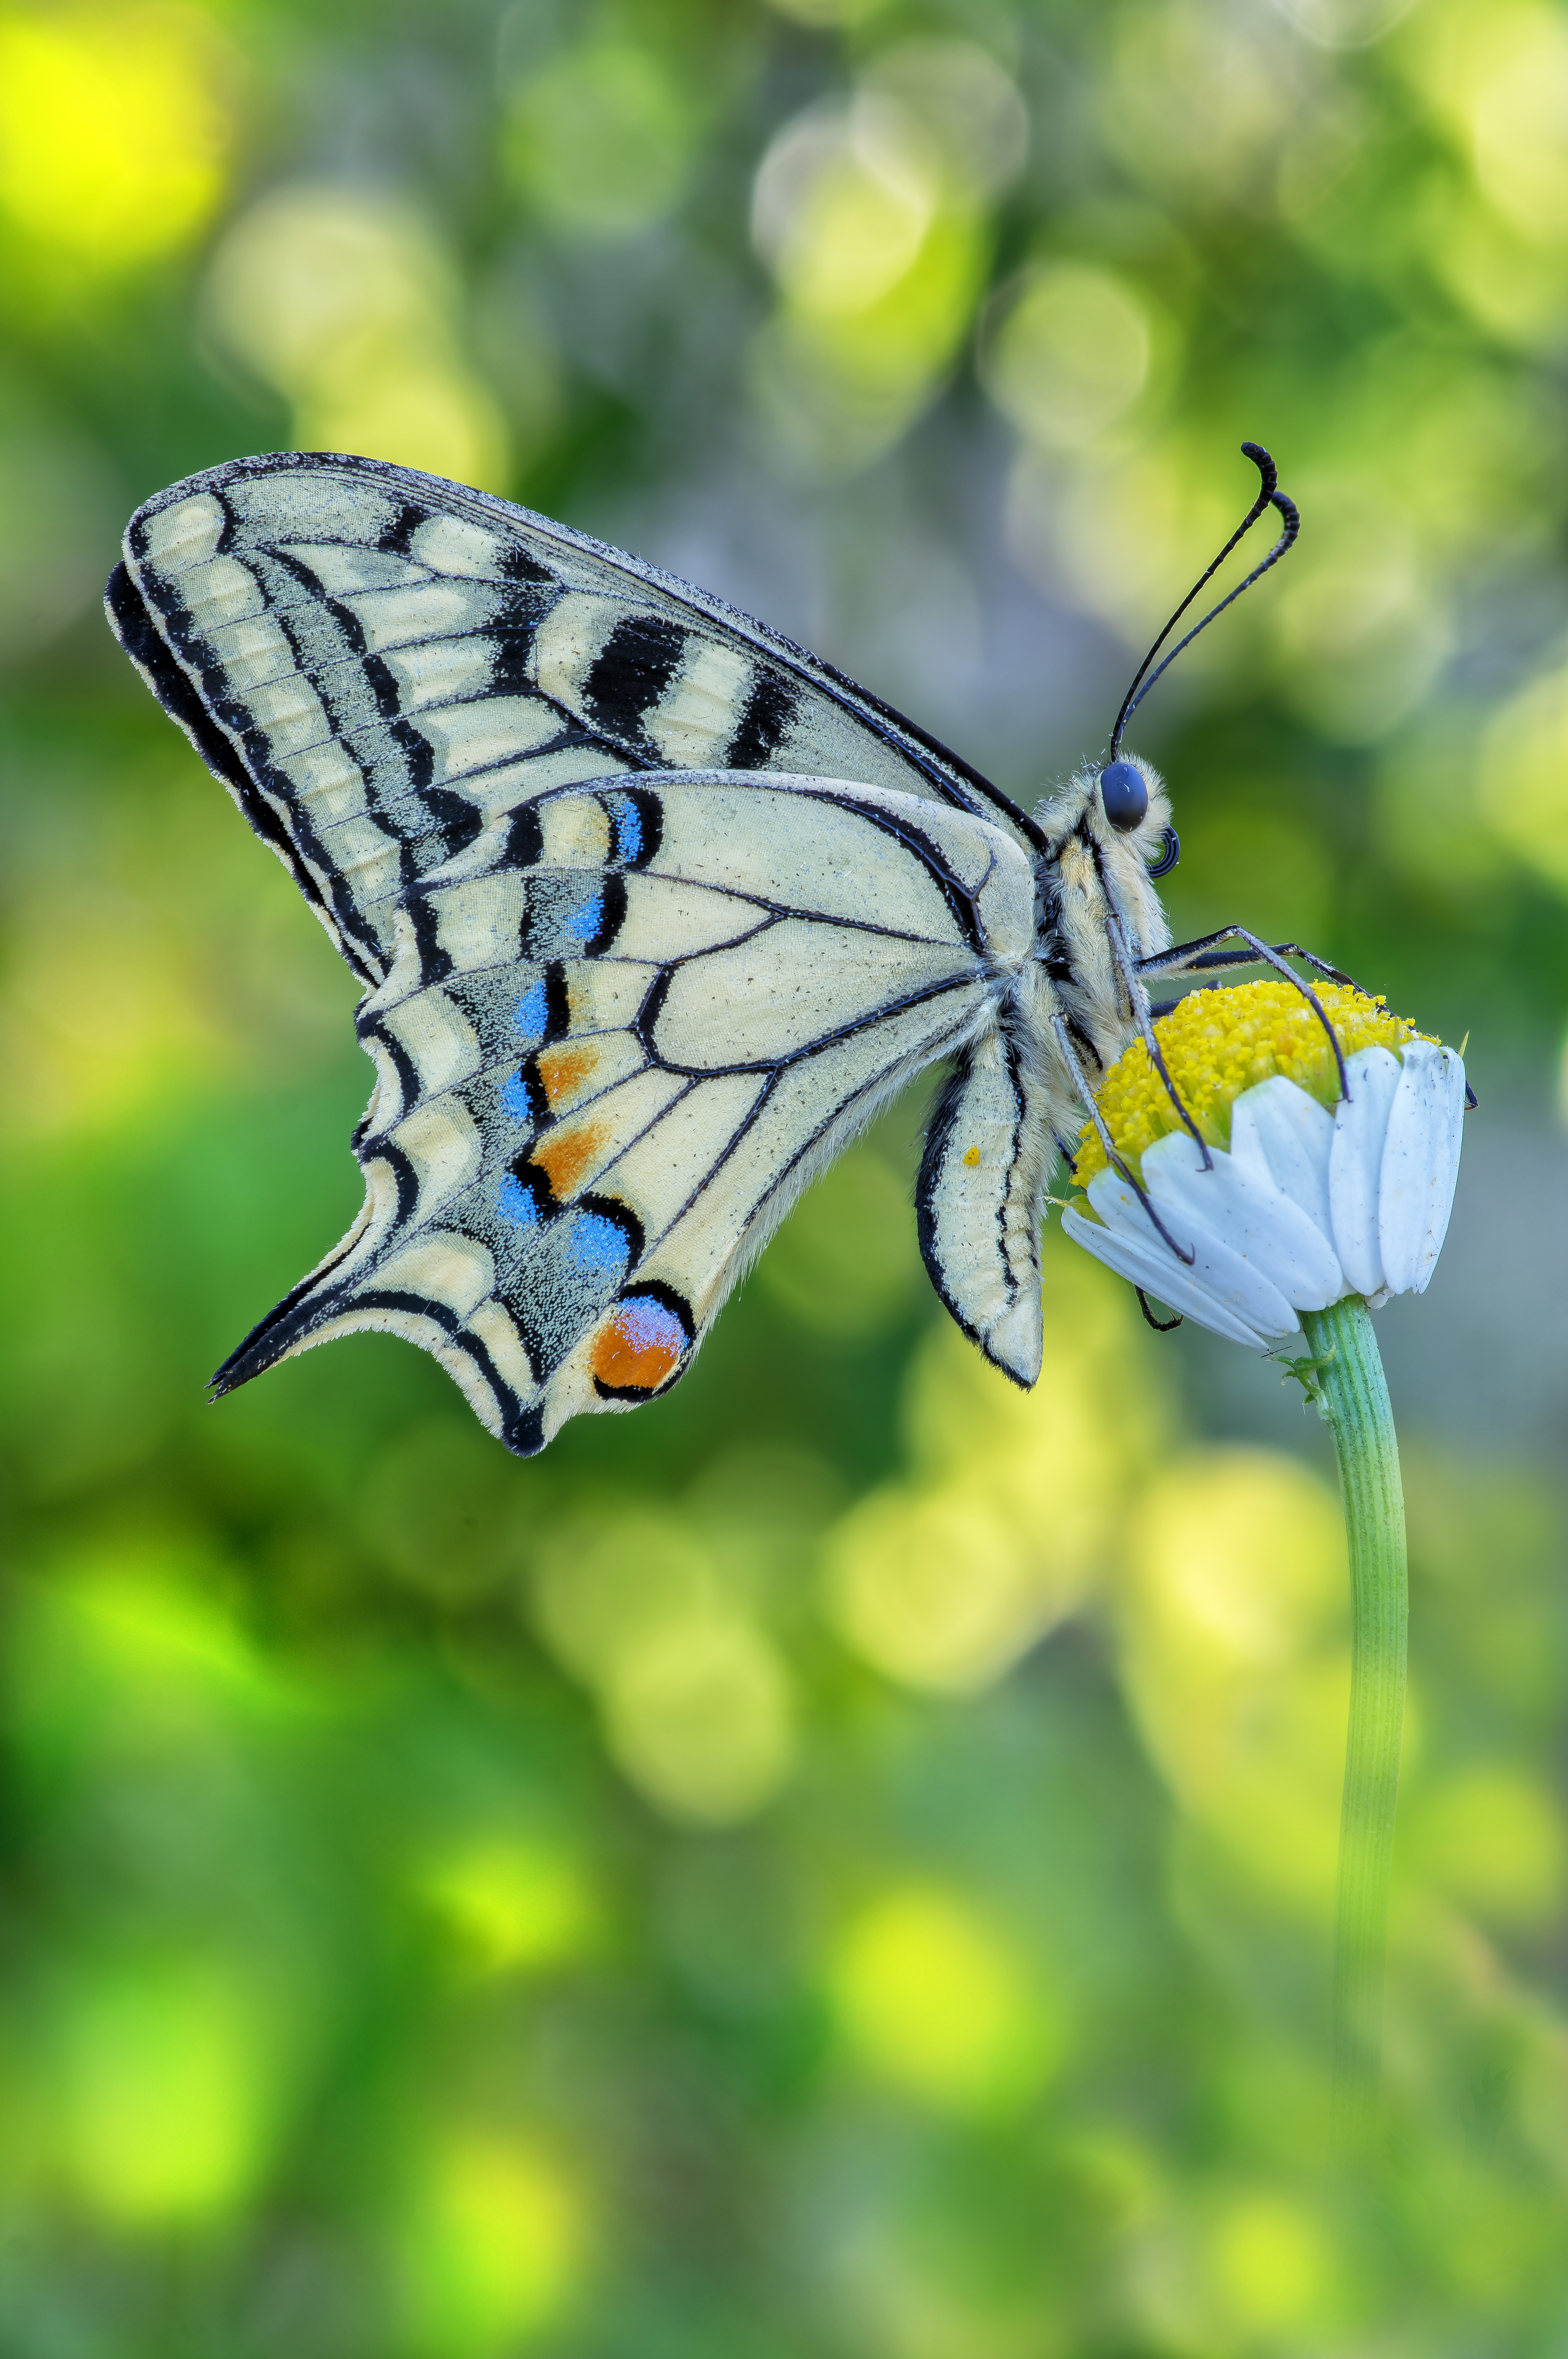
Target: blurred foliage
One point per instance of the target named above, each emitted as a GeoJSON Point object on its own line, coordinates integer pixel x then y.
{"type": "Point", "coordinates": [839, 1863]}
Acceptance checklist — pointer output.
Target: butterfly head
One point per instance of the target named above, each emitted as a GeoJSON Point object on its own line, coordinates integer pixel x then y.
{"type": "Point", "coordinates": [1127, 790]}
{"type": "Point", "coordinates": [1105, 844]}
{"type": "Point", "coordinates": [1120, 804]}
{"type": "Point", "coordinates": [1125, 811]}
{"type": "Point", "coordinates": [1109, 831]}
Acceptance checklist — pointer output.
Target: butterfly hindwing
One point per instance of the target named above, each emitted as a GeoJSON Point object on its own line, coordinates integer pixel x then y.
{"type": "Point", "coordinates": [616, 1034]}
{"type": "Point", "coordinates": [979, 1199]}
{"type": "Point", "coordinates": [376, 663]}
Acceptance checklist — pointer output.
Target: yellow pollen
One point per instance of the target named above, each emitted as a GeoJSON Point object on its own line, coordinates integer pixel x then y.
{"type": "Point", "coordinates": [1218, 1043]}
{"type": "Point", "coordinates": [972, 1155]}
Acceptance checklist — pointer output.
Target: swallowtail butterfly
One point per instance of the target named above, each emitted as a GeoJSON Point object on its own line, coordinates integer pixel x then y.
{"type": "Point", "coordinates": [652, 911]}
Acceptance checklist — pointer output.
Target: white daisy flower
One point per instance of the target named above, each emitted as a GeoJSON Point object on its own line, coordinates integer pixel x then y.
{"type": "Point", "coordinates": [1306, 1196]}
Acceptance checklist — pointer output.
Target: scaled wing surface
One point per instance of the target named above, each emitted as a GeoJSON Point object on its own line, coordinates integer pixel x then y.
{"type": "Point", "coordinates": [651, 909]}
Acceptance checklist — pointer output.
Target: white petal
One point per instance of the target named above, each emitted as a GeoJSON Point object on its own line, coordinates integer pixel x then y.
{"type": "Point", "coordinates": [1158, 1271]}
{"type": "Point", "coordinates": [1419, 1166]}
{"type": "Point", "coordinates": [1278, 1128]}
{"type": "Point", "coordinates": [1237, 1205]}
{"type": "Point", "coordinates": [1356, 1164]}
{"type": "Point", "coordinates": [1234, 1290]}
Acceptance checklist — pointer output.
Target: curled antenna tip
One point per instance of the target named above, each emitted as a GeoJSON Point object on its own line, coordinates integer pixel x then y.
{"type": "Point", "coordinates": [1268, 496]}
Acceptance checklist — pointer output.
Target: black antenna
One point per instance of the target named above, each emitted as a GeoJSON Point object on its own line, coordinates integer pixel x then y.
{"type": "Point", "coordinates": [1268, 495]}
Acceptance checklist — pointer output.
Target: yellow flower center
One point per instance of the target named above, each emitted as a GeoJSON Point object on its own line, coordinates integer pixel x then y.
{"type": "Point", "coordinates": [1218, 1043]}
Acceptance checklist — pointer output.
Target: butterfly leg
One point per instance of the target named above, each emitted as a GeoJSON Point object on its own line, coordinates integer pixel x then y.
{"type": "Point", "coordinates": [1196, 957]}
{"type": "Point", "coordinates": [1143, 1014]}
{"type": "Point", "coordinates": [1114, 1157]}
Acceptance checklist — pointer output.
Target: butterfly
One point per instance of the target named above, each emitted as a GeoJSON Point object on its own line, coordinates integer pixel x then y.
{"type": "Point", "coordinates": [652, 911]}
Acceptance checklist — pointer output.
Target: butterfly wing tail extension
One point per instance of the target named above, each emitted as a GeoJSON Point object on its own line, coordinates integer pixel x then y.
{"type": "Point", "coordinates": [977, 1204]}
{"type": "Point", "coordinates": [436, 1291]}
{"type": "Point", "coordinates": [439, 1291]}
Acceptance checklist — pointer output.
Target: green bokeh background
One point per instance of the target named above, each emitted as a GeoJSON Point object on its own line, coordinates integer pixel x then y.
{"type": "Point", "coordinates": [839, 1863]}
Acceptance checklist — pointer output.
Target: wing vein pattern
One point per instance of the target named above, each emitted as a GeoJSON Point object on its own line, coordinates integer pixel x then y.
{"type": "Point", "coordinates": [651, 909]}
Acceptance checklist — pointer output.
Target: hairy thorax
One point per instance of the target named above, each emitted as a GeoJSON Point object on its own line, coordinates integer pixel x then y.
{"type": "Point", "coordinates": [1095, 897]}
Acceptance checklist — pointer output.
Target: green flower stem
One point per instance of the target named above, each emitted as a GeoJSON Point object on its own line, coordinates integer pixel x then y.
{"type": "Point", "coordinates": [1354, 1401]}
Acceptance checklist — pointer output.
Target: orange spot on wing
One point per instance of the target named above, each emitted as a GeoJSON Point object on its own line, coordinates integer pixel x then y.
{"type": "Point", "coordinates": [637, 1346]}
{"type": "Point", "coordinates": [560, 1071]}
{"type": "Point", "coordinates": [972, 1155]}
{"type": "Point", "coordinates": [564, 1156]}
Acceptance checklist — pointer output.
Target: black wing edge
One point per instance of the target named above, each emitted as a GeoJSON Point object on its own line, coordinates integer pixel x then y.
{"type": "Point", "coordinates": [957, 780]}
{"type": "Point", "coordinates": [134, 625]}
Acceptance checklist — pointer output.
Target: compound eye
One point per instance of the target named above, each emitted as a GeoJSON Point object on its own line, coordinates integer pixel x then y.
{"type": "Point", "coordinates": [1124, 794]}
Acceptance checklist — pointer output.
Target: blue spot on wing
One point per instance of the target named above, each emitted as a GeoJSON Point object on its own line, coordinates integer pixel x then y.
{"type": "Point", "coordinates": [598, 1247]}
{"type": "Point", "coordinates": [586, 918]}
{"type": "Point", "coordinates": [514, 1097]}
{"type": "Point", "coordinates": [531, 1016]}
{"type": "Point", "coordinates": [514, 1202]}
{"type": "Point", "coordinates": [628, 830]}
{"type": "Point", "coordinates": [649, 1326]}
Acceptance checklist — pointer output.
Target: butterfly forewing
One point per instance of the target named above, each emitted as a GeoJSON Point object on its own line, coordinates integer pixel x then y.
{"type": "Point", "coordinates": [382, 662]}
